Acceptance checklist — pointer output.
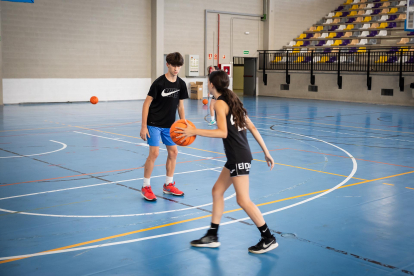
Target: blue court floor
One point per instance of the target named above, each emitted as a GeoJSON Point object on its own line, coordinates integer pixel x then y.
{"type": "Point", "coordinates": [340, 199]}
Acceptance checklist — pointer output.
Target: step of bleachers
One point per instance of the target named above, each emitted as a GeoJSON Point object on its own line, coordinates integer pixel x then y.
{"type": "Point", "coordinates": [356, 24]}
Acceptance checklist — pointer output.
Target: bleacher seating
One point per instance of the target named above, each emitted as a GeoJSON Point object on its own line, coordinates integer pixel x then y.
{"type": "Point", "coordinates": [369, 23]}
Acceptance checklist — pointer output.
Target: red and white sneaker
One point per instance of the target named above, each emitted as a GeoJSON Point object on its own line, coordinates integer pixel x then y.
{"type": "Point", "coordinates": [147, 193]}
{"type": "Point", "coordinates": [171, 190]}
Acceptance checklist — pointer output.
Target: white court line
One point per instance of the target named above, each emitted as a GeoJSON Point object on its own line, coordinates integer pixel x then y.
{"type": "Point", "coordinates": [108, 216]}
{"type": "Point", "coordinates": [354, 169]}
{"type": "Point", "coordinates": [352, 134]}
{"type": "Point", "coordinates": [17, 156]}
{"type": "Point", "coordinates": [146, 145]}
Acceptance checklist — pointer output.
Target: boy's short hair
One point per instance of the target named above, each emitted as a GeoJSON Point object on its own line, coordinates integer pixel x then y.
{"type": "Point", "coordinates": [175, 59]}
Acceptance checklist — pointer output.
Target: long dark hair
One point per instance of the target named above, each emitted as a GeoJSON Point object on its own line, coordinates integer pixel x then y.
{"type": "Point", "coordinates": [221, 82]}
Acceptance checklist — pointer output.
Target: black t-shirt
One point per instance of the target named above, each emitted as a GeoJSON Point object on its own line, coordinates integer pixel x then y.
{"type": "Point", "coordinates": [166, 96]}
{"type": "Point", "coordinates": [236, 146]}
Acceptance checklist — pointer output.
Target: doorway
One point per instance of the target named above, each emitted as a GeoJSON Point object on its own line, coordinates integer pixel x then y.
{"type": "Point", "coordinates": [244, 76]}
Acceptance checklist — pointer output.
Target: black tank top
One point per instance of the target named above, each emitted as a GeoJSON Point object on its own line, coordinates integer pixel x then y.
{"type": "Point", "coordinates": [236, 146]}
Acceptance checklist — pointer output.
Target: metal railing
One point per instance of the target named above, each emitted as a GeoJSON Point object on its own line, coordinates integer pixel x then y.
{"type": "Point", "coordinates": [391, 59]}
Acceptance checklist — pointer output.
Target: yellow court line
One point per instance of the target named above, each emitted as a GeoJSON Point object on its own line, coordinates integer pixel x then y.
{"type": "Point", "coordinates": [410, 188]}
{"type": "Point", "coordinates": [223, 154]}
{"type": "Point", "coordinates": [388, 184]}
{"type": "Point", "coordinates": [335, 125]}
{"type": "Point", "coordinates": [197, 218]}
{"type": "Point", "coordinates": [309, 169]}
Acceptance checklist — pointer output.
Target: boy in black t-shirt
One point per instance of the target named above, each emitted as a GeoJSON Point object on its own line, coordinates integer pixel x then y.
{"type": "Point", "coordinates": [166, 95]}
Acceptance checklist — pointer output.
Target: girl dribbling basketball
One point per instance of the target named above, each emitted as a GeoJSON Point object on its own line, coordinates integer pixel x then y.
{"type": "Point", "coordinates": [232, 122]}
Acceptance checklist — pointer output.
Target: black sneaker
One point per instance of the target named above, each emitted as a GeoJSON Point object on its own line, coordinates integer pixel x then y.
{"type": "Point", "coordinates": [264, 245]}
{"type": "Point", "coordinates": [206, 241]}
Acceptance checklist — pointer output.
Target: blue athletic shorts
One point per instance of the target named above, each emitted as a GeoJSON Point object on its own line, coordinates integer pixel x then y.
{"type": "Point", "coordinates": [155, 133]}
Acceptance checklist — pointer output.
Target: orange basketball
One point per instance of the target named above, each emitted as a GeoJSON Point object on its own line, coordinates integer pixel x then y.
{"type": "Point", "coordinates": [182, 124]}
{"type": "Point", "coordinates": [205, 101]}
{"type": "Point", "coordinates": [94, 100]}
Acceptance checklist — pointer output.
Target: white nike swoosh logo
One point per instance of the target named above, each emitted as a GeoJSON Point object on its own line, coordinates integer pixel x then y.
{"type": "Point", "coordinates": [164, 94]}
{"type": "Point", "coordinates": [266, 245]}
{"type": "Point", "coordinates": [264, 230]}
{"type": "Point", "coordinates": [232, 171]}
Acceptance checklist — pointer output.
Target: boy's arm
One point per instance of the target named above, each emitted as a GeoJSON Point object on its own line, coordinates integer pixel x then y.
{"type": "Point", "coordinates": [145, 109]}
{"type": "Point", "coordinates": [181, 111]}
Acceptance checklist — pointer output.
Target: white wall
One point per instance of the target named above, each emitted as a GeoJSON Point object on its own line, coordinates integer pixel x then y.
{"type": "Point", "coordinates": [74, 90]}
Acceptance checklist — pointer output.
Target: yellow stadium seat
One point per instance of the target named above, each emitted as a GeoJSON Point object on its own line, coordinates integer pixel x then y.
{"type": "Point", "coordinates": [349, 27]}
{"type": "Point", "coordinates": [383, 25]}
{"type": "Point", "coordinates": [300, 59]}
{"type": "Point", "coordinates": [337, 42]}
{"type": "Point", "coordinates": [367, 19]}
{"type": "Point", "coordinates": [362, 50]}
{"type": "Point", "coordinates": [320, 28]}
{"type": "Point", "coordinates": [393, 10]}
{"type": "Point", "coordinates": [298, 43]}
{"type": "Point", "coordinates": [382, 59]}
{"type": "Point", "coordinates": [297, 50]}
{"type": "Point", "coordinates": [405, 49]}
{"type": "Point", "coordinates": [324, 59]}
{"type": "Point", "coordinates": [338, 14]}
{"type": "Point", "coordinates": [354, 7]}
{"type": "Point", "coordinates": [277, 59]}
{"type": "Point", "coordinates": [332, 35]}
{"type": "Point", "coordinates": [352, 13]}
{"type": "Point", "coordinates": [349, 1]}
{"type": "Point", "coordinates": [302, 36]}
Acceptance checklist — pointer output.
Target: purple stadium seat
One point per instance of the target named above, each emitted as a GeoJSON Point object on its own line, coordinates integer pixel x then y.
{"type": "Point", "coordinates": [410, 33]}
{"type": "Point", "coordinates": [309, 36]}
{"type": "Point", "coordinates": [307, 59]}
{"type": "Point", "coordinates": [375, 12]}
{"type": "Point", "coordinates": [345, 14]}
{"type": "Point", "coordinates": [393, 50]}
{"type": "Point", "coordinates": [345, 42]}
{"type": "Point", "coordinates": [392, 60]}
{"type": "Point", "coordinates": [305, 44]}
{"type": "Point", "coordinates": [332, 59]}
{"type": "Point", "coordinates": [392, 17]}
{"type": "Point", "coordinates": [392, 25]}
{"type": "Point", "coordinates": [340, 8]}
{"type": "Point", "coordinates": [339, 35]}
{"type": "Point", "coordinates": [334, 28]}
{"type": "Point", "coordinates": [372, 34]}
{"type": "Point", "coordinates": [321, 43]}
{"type": "Point", "coordinates": [350, 20]}
{"type": "Point", "coordinates": [377, 5]}
{"type": "Point", "coordinates": [411, 60]}
{"type": "Point", "coordinates": [353, 50]}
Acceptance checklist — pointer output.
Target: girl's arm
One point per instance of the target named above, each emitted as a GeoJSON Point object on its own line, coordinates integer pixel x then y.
{"type": "Point", "coordinates": [220, 132]}
{"type": "Point", "coordinates": [253, 130]}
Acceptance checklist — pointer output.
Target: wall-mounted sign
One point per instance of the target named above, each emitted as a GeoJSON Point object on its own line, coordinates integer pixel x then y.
{"type": "Point", "coordinates": [210, 56]}
{"type": "Point", "coordinates": [215, 56]}
{"type": "Point", "coordinates": [245, 52]}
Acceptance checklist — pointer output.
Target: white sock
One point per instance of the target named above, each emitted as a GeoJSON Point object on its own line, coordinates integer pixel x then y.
{"type": "Point", "coordinates": [212, 118]}
{"type": "Point", "coordinates": [146, 182]}
{"type": "Point", "coordinates": [168, 180]}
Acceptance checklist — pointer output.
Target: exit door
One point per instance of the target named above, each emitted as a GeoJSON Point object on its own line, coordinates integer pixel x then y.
{"type": "Point", "coordinates": [249, 77]}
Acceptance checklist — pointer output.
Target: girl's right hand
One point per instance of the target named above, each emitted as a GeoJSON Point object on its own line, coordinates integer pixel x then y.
{"type": "Point", "coordinates": [269, 160]}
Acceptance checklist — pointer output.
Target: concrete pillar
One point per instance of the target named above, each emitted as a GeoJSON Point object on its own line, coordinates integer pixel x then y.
{"type": "Point", "coordinates": [269, 27]}
{"type": "Point", "coordinates": [157, 38]}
